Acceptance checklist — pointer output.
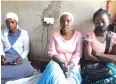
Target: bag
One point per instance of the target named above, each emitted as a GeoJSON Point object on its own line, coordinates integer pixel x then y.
{"type": "Point", "coordinates": [95, 71]}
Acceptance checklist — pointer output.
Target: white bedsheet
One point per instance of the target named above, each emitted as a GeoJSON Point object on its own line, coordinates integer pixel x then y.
{"type": "Point", "coordinates": [29, 80]}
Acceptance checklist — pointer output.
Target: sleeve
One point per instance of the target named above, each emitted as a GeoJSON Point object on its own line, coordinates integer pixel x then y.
{"type": "Point", "coordinates": [78, 51]}
{"type": "Point", "coordinates": [52, 46]}
{"type": "Point", "coordinates": [114, 38]}
{"type": "Point", "coordinates": [26, 45]}
{"type": "Point", "coordinates": [2, 44]}
{"type": "Point", "coordinates": [88, 37]}
{"type": "Point", "coordinates": [2, 48]}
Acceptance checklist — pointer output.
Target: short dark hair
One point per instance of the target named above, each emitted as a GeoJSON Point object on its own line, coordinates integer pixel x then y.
{"type": "Point", "coordinates": [100, 12]}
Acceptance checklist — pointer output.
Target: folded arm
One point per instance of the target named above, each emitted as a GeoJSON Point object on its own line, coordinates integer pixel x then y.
{"type": "Point", "coordinates": [111, 57]}
{"type": "Point", "coordinates": [88, 52]}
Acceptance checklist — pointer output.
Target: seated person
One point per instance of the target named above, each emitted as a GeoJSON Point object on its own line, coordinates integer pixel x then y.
{"type": "Point", "coordinates": [112, 26]}
{"type": "Point", "coordinates": [65, 50]}
{"type": "Point", "coordinates": [15, 48]}
{"type": "Point", "coordinates": [95, 43]}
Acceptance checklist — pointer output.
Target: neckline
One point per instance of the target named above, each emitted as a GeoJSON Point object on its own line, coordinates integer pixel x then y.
{"type": "Point", "coordinates": [98, 40]}
{"type": "Point", "coordinates": [16, 33]}
{"type": "Point", "coordinates": [70, 38]}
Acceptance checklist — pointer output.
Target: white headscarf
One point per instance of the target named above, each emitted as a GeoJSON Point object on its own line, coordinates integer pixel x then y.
{"type": "Point", "coordinates": [11, 15]}
{"type": "Point", "coordinates": [69, 14]}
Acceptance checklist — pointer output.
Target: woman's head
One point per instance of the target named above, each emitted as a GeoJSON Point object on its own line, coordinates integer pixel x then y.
{"type": "Point", "coordinates": [66, 21]}
{"type": "Point", "coordinates": [101, 19]}
{"type": "Point", "coordinates": [11, 20]}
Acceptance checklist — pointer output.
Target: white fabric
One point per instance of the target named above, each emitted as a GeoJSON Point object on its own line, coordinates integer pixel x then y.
{"type": "Point", "coordinates": [29, 80]}
{"type": "Point", "coordinates": [21, 45]}
{"type": "Point", "coordinates": [11, 15]}
{"type": "Point", "coordinates": [1, 50]}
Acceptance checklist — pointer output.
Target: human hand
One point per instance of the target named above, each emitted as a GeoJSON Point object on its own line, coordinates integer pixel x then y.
{"type": "Point", "coordinates": [66, 70]}
{"type": "Point", "coordinates": [3, 60]}
{"type": "Point", "coordinates": [93, 52]}
{"type": "Point", "coordinates": [114, 49]}
{"type": "Point", "coordinates": [96, 53]}
{"type": "Point", "coordinates": [58, 59]}
{"type": "Point", "coordinates": [19, 60]}
{"type": "Point", "coordinates": [67, 73]}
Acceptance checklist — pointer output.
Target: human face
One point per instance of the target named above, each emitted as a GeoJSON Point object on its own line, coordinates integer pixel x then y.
{"type": "Point", "coordinates": [66, 23]}
{"type": "Point", "coordinates": [101, 23]}
{"type": "Point", "coordinates": [11, 24]}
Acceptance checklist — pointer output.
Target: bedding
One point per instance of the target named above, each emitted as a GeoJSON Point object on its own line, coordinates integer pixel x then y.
{"type": "Point", "coordinates": [29, 80]}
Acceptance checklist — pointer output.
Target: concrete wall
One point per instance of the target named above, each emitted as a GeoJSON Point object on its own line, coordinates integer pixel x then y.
{"type": "Point", "coordinates": [31, 14]}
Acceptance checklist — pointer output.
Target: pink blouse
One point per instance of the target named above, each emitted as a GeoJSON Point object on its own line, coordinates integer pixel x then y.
{"type": "Point", "coordinates": [69, 50]}
{"type": "Point", "coordinates": [96, 45]}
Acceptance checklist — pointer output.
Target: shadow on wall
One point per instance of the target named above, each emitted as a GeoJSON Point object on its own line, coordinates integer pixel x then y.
{"type": "Point", "coordinates": [39, 42]}
{"type": "Point", "coordinates": [38, 50]}
{"type": "Point", "coordinates": [85, 27]}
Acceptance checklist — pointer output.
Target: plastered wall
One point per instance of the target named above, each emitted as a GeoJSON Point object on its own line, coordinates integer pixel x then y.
{"type": "Point", "coordinates": [31, 14]}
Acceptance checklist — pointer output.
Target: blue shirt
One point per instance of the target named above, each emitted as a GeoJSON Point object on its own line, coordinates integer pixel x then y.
{"type": "Point", "coordinates": [12, 39]}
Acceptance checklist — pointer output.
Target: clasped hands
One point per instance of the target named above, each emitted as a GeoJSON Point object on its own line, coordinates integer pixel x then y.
{"type": "Point", "coordinates": [66, 70]}
{"type": "Point", "coordinates": [66, 67]}
{"type": "Point", "coordinates": [18, 60]}
{"type": "Point", "coordinates": [63, 64]}
{"type": "Point", "coordinates": [96, 53]}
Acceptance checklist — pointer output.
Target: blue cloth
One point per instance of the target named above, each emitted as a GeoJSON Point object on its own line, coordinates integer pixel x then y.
{"type": "Point", "coordinates": [110, 80]}
{"type": "Point", "coordinates": [53, 74]}
{"type": "Point", "coordinates": [12, 39]}
{"type": "Point", "coordinates": [14, 72]}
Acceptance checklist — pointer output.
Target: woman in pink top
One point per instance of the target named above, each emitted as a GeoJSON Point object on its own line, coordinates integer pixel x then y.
{"type": "Point", "coordinates": [65, 50]}
{"type": "Point", "coordinates": [95, 43]}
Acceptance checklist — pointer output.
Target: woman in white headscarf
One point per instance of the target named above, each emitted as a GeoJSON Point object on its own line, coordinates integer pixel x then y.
{"type": "Point", "coordinates": [65, 51]}
{"type": "Point", "coordinates": [15, 48]}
